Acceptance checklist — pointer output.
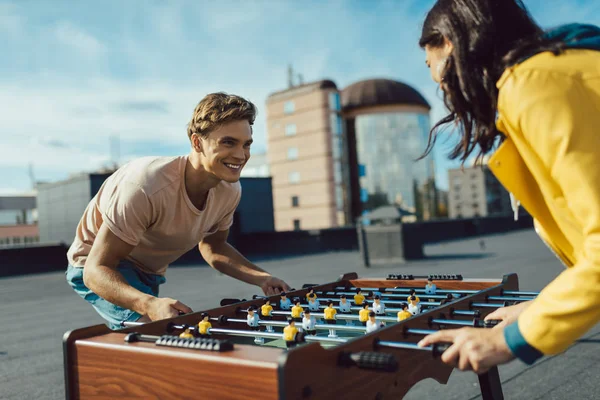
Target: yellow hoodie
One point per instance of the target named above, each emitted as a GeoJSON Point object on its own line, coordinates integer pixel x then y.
{"type": "Point", "coordinates": [549, 109]}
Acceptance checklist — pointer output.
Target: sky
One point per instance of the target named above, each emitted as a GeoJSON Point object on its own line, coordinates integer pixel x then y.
{"type": "Point", "coordinates": [74, 76]}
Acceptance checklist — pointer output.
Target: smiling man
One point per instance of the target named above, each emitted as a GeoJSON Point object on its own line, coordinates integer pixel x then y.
{"type": "Point", "coordinates": [153, 210]}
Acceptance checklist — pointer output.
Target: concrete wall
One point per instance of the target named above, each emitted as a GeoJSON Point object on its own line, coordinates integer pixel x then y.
{"type": "Point", "coordinates": [277, 244]}
{"type": "Point", "coordinates": [60, 207]}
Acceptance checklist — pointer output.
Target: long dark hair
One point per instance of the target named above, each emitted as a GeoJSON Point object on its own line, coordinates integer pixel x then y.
{"type": "Point", "coordinates": [488, 36]}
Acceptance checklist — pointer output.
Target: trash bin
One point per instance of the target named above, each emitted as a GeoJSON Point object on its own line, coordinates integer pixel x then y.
{"type": "Point", "coordinates": [381, 244]}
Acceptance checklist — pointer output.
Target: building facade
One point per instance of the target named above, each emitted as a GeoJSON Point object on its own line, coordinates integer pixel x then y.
{"type": "Point", "coordinates": [256, 167]}
{"type": "Point", "coordinates": [387, 125]}
{"type": "Point", "coordinates": [336, 155]}
{"type": "Point", "coordinates": [475, 192]}
{"type": "Point", "coordinates": [18, 220]}
{"type": "Point", "coordinates": [307, 153]}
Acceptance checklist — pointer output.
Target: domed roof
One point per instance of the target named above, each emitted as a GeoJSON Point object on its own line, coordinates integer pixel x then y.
{"type": "Point", "coordinates": [377, 92]}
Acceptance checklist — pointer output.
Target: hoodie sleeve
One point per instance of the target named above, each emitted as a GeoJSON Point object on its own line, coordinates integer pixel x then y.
{"type": "Point", "coordinates": [558, 116]}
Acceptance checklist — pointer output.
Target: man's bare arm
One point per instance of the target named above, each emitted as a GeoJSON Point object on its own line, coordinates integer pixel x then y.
{"type": "Point", "coordinates": [223, 257]}
{"type": "Point", "coordinates": [102, 277]}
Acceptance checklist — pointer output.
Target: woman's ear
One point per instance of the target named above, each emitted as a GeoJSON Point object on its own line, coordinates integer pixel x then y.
{"type": "Point", "coordinates": [448, 47]}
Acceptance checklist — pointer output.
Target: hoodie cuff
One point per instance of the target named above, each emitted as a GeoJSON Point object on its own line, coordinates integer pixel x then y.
{"type": "Point", "coordinates": [519, 346]}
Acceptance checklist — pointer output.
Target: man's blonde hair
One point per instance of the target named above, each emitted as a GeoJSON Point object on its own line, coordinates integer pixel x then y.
{"type": "Point", "coordinates": [216, 109]}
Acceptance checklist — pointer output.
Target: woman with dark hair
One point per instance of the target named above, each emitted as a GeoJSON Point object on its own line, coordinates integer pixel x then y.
{"type": "Point", "coordinates": [532, 97]}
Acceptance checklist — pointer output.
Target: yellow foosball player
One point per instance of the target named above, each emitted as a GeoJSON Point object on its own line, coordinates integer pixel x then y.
{"type": "Point", "coordinates": [297, 310]}
{"type": "Point", "coordinates": [404, 313]}
{"type": "Point", "coordinates": [363, 315]}
{"type": "Point", "coordinates": [413, 292]}
{"type": "Point", "coordinates": [330, 313]}
{"type": "Point", "coordinates": [358, 297]}
{"type": "Point", "coordinates": [187, 334]}
{"type": "Point", "coordinates": [290, 332]}
{"type": "Point", "coordinates": [204, 325]}
{"type": "Point", "coordinates": [266, 310]}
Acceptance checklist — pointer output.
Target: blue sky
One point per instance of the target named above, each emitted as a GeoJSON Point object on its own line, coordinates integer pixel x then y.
{"type": "Point", "coordinates": [74, 74]}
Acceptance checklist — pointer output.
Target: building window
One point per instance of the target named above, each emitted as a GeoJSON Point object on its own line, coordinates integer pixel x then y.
{"type": "Point", "coordinates": [296, 224]}
{"type": "Point", "coordinates": [336, 124]}
{"type": "Point", "coordinates": [290, 129]}
{"type": "Point", "coordinates": [288, 107]}
{"type": "Point", "coordinates": [294, 177]}
{"type": "Point", "coordinates": [292, 153]}
{"type": "Point", "coordinates": [337, 172]}
{"type": "Point", "coordinates": [295, 201]}
{"type": "Point", "coordinates": [334, 101]}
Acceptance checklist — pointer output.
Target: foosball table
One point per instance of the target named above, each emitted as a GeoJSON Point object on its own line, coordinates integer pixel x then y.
{"type": "Point", "coordinates": [228, 353]}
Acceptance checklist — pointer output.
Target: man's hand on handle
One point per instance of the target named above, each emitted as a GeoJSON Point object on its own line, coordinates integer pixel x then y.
{"type": "Point", "coordinates": [165, 307]}
{"type": "Point", "coordinates": [271, 285]}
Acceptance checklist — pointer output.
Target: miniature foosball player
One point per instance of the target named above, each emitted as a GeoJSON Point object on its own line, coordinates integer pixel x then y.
{"type": "Point", "coordinates": [378, 306]}
{"type": "Point", "coordinates": [289, 333]}
{"type": "Point", "coordinates": [297, 310]}
{"type": "Point", "coordinates": [404, 313]}
{"type": "Point", "coordinates": [358, 297]}
{"type": "Point", "coordinates": [266, 310]}
{"type": "Point", "coordinates": [308, 323]}
{"type": "Point", "coordinates": [284, 302]}
{"type": "Point", "coordinates": [430, 287]}
{"type": "Point", "coordinates": [204, 325]}
{"type": "Point", "coordinates": [313, 303]}
{"type": "Point", "coordinates": [413, 292]}
{"type": "Point", "coordinates": [311, 293]}
{"type": "Point", "coordinates": [186, 334]}
{"type": "Point", "coordinates": [252, 319]}
{"type": "Point", "coordinates": [344, 306]}
{"type": "Point", "coordinates": [372, 324]}
{"type": "Point", "coordinates": [329, 313]}
{"type": "Point", "coordinates": [363, 315]}
{"type": "Point", "coordinates": [413, 305]}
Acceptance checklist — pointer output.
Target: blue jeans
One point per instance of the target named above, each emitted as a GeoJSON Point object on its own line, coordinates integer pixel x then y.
{"type": "Point", "coordinates": [113, 314]}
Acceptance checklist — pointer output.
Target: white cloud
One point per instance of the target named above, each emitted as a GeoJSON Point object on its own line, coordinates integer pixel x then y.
{"type": "Point", "coordinates": [138, 72]}
{"type": "Point", "coordinates": [79, 40]}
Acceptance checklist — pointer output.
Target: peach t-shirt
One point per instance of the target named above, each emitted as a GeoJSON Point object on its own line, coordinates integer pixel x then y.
{"type": "Point", "coordinates": [145, 204]}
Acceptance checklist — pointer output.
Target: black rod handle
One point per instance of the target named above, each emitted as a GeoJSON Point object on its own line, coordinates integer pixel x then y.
{"type": "Point", "coordinates": [384, 362]}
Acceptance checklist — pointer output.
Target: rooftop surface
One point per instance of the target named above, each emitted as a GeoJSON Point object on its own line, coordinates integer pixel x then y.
{"type": "Point", "coordinates": [36, 311]}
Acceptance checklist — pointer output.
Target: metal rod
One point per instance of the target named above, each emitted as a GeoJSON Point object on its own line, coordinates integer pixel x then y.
{"type": "Point", "coordinates": [339, 316]}
{"type": "Point", "coordinates": [387, 309]}
{"type": "Point", "coordinates": [488, 305]}
{"type": "Point", "coordinates": [383, 296]}
{"type": "Point", "coordinates": [436, 349]}
{"type": "Point", "coordinates": [506, 298]}
{"type": "Point", "coordinates": [452, 322]}
{"type": "Point", "coordinates": [348, 328]}
{"type": "Point", "coordinates": [519, 293]}
{"type": "Point", "coordinates": [407, 290]}
{"type": "Point", "coordinates": [420, 331]}
{"type": "Point", "coordinates": [473, 313]}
